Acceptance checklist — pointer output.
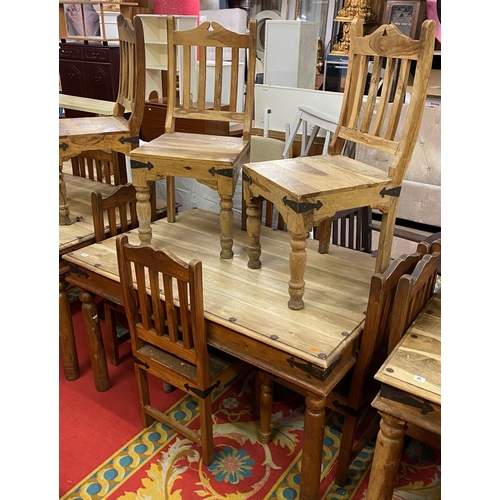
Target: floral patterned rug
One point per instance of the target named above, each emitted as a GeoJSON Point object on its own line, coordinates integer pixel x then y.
{"type": "Point", "coordinates": [160, 464]}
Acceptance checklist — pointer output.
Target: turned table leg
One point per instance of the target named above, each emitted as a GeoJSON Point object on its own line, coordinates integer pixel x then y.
{"type": "Point", "coordinates": [95, 341]}
{"type": "Point", "coordinates": [226, 226]}
{"type": "Point", "coordinates": [64, 218]}
{"type": "Point", "coordinates": [266, 407]}
{"type": "Point", "coordinates": [386, 459]}
{"type": "Point", "coordinates": [312, 449]}
{"type": "Point", "coordinates": [298, 256]}
{"type": "Point", "coordinates": [66, 335]}
{"type": "Point", "coordinates": [254, 210]}
{"type": "Point", "coordinates": [144, 214]}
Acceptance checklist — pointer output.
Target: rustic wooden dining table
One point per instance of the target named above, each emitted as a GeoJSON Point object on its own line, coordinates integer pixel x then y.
{"type": "Point", "coordinates": [409, 401]}
{"type": "Point", "coordinates": [246, 310]}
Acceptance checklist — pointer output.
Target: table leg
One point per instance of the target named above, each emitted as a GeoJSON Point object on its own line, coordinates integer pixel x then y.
{"type": "Point", "coordinates": [95, 341]}
{"type": "Point", "coordinates": [144, 214]}
{"type": "Point", "coordinates": [386, 459]}
{"type": "Point", "coordinates": [266, 407]}
{"type": "Point", "coordinates": [254, 210]}
{"type": "Point", "coordinates": [226, 225]}
{"type": "Point", "coordinates": [64, 218]}
{"type": "Point", "coordinates": [66, 335]}
{"type": "Point", "coordinates": [298, 256]}
{"type": "Point", "coordinates": [312, 449]}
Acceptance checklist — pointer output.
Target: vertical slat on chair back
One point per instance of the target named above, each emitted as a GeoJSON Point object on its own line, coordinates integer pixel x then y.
{"type": "Point", "coordinates": [117, 212]}
{"type": "Point", "coordinates": [412, 294]}
{"type": "Point", "coordinates": [132, 80]}
{"type": "Point", "coordinates": [193, 44]}
{"type": "Point", "coordinates": [96, 165]}
{"type": "Point", "coordinates": [375, 336]}
{"type": "Point", "coordinates": [371, 118]}
{"type": "Point", "coordinates": [351, 229]}
{"type": "Point", "coordinates": [163, 283]}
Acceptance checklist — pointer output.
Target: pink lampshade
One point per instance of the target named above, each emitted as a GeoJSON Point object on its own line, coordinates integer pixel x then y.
{"type": "Point", "coordinates": [432, 13]}
{"type": "Point", "coordinates": [185, 7]}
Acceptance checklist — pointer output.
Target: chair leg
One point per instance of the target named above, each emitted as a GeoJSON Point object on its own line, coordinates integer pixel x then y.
{"type": "Point", "coordinates": [312, 137]}
{"type": "Point", "coordinates": [387, 226]}
{"type": "Point", "coordinates": [291, 136]}
{"type": "Point", "coordinates": [206, 430]}
{"type": "Point", "coordinates": [257, 393]}
{"type": "Point", "coordinates": [170, 188]}
{"type": "Point", "coordinates": [324, 235]}
{"type": "Point", "coordinates": [111, 338]}
{"type": "Point", "coordinates": [141, 377]}
{"type": "Point", "coordinates": [266, 407]}
{"type": "Point", "coordinates": [345, 450]}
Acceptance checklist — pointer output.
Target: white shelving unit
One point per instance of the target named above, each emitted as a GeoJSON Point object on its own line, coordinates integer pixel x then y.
{"type": "Point", "coordinates": [155, 41]}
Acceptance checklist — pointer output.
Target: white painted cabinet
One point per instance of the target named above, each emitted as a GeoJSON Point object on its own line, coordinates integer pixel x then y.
{"type": "Point", "coordinates": [291, 53]}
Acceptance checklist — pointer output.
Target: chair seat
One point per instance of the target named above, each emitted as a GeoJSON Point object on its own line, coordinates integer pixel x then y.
{"type": "Point", "coordinates": [191, 151]}
{"type": "Point", "coordinates": [74, 127]}
{"type": "Point", "coordinates": [216, 365]}
{"type": "Point", "coordinates": [316, 178]}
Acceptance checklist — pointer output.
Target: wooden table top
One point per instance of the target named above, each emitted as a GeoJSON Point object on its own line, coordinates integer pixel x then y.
{"type": "Point", "coordinates": [254, 302]}
{"type": "Point", "coordinates": [415, 364]}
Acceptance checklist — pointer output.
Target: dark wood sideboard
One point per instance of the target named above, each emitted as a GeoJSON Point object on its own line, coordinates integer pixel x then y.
{"type": "Point", "coordinates": [89, 70]}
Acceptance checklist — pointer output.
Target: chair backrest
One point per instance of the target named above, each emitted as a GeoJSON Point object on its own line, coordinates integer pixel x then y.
{"type": "Point", "coordinates": [371, 120]}
{"type": "Point", "coordinates": [132, 81]}
{"type": "Point", "coordinates": [186, 44]}
{"type": "Point", "coordinates": [96, 165]}
{"type": "Point", "coordinates": [120, 208]}
{"type": "Point", "coordinates": [165, 306]}
{"type": "Point", "coordinates": [412, 293]}
{"type": "Point", "coordinates": [374, 340]}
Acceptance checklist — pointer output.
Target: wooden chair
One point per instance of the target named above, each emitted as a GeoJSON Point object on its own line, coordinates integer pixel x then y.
{"type": "Point", "coordinates": [412, 294]}
{"type": "Point", "coordinates": [166, 319]}
{"type": "Point", "coordinates": [119, 207]}
{"type": "Point", "coordinates": [118, 133]}
{"type": "Point", "coordinates": [353, 394]}
{"type": "Point", "coordinates": [309, 190]}
{"type": "Point", "coordinates": [214, 161]}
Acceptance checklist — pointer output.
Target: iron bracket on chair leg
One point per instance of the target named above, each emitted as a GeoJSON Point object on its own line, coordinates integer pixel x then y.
{"type": "Point", "coordinates": [63, 146]}
{"type": "Point", "coordinates": [140, 164]}
{"type": "Point", "coordinates": [299, 207]}
{"type": "Point", "coordinates": [395, 191]}
{"type": "Point", "coordinates": [226, 172]}
{"type": "Point", "coordinates": [202, 394]}
{"type": "Point", "coordinates": [133, 140]}
{"type": "Point", "coordinates": [246, 177]}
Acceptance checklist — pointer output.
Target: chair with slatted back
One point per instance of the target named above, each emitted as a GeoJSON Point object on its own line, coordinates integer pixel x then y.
{"type": "Point", "coordinates": [118, 133]}
{"type": "Point", "coordinates": [212, 160]}
{"type": "Point", "coordinates": [308, 191]}
{"type": "Point", "coordinates": [353, 394]}
{"type": "Point", "coordinates": [413, 292]}
{"type": "Point", "coordinates": [163, 298]}
{"type": "Point", "coordinates": [112, 215]}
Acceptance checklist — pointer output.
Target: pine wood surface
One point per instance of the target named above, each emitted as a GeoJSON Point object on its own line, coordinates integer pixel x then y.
{"type": "Point", "coordinates": [87, 104]}
{"type": "Point", "coordinates": [418, 354]}
{"type": "Point", "coordinates": [254, 302]}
